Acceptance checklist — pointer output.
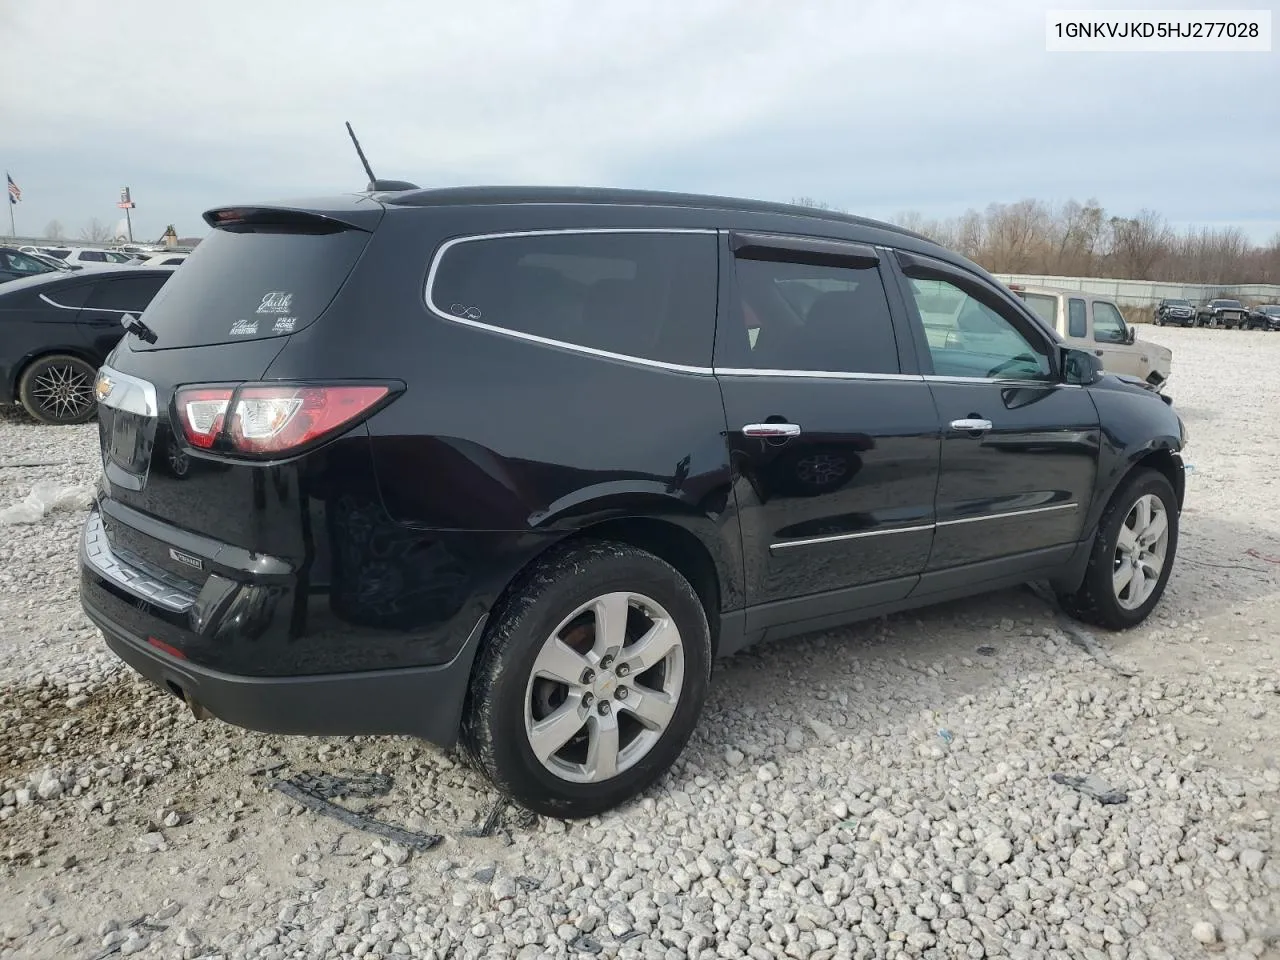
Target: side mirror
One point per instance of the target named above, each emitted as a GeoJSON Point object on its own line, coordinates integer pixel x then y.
{"type": "Point", "coordinates": [1131, 335]}
{"type": "Point", "coordinates": [1080, 367]}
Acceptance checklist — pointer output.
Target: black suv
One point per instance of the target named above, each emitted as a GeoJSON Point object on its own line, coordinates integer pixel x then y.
{"type": "Point", "coordinates": [1221, 313]}
{"type": "Point", "coordinates": [510, 467]}
{"type": "Point", "coordinates": [1170, 311]}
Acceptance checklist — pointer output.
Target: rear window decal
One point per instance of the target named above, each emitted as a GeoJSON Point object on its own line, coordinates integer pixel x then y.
{"type": "Point", "coordinates": [284, 325]}
{"type": "Point", "coordinates": [277, 301]}
{"type": "Point", "coordinates": [244, 328]}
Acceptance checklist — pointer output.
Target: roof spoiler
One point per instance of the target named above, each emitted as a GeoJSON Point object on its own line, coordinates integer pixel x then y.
{"type": "Point", "coordinates": [287, 218]}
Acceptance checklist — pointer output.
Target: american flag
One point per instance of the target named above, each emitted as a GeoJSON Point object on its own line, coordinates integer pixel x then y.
{"type": "Point", "coordinates": [15, 194]}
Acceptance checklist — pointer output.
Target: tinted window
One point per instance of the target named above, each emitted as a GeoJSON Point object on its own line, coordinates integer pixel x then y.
{"type": "Point", "coordinates": [968, 338]}
{"type": "Point", "coordinates": [1077, 321]}
{"type": "Point", "coordinates": [795, 316]}
{"type": "Point", "coordinates": [1108, 325]}
{"type": "Point", "coordinates": [126, 295]}
{"type": "Point", "coordinates": [93, 256]}
{"type": "Point", "coordinates": [20, 263]}
{"type": "Point", "coordinates": [1043, 306]}
{"type": "Point", "coordinates": [250, 284]}
{"type": "Point", "coordinates": [649, 295]}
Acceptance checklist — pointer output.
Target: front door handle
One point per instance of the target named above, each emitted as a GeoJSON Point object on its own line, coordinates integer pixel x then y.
{"type": "Point", "coordinates": [971, 425]}
{"type": "Point", "coordinates": [771, 431]}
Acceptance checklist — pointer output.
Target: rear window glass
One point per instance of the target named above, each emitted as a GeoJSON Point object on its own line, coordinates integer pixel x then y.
{"type": "Point", "coordinates": [251, 285]}
{"type": "Point", "coordinates": [646, 295]}
{"type": "Point", "coordinates": [1044, 307]}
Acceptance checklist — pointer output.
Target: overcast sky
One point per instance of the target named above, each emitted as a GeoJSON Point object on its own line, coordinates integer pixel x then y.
{"type": "Point", "coordinates": [877, 106]}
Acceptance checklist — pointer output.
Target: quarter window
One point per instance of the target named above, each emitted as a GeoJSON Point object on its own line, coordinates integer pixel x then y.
{"type": "Point", "coordinates": [1077, 323]}
{"type": "Point", "coordinates": [806, 317]}
{"type": "Point", "coordinates": [967, 338]}
{"type": "Point", "coordinates": [645, 295]}
{"type": "Point", "coordinates": [1108, 325]}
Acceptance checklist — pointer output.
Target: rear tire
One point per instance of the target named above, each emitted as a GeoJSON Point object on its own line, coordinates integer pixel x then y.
{"type": "Point", "coordinates": [601, 657]}
{"type": "Point", "coordinates": [58, 389]}
{"type": "Point", "coordinates": [1132, 556]}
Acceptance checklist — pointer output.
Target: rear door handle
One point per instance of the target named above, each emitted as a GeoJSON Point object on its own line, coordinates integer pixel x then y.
{"type": "Point", "coordinates": [971, 425]}
{"type": "Point", "coordinates": [770, 431]}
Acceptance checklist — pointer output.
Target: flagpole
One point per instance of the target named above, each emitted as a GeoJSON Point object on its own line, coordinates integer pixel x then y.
{"type": "Point", "coordinates": [13, 231]}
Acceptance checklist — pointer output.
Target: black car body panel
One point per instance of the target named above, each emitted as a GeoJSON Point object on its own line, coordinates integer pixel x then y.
{"type": "Point", "coordinates": [62, 312]}
{"type": "Point", "coordinates": [792, 496]}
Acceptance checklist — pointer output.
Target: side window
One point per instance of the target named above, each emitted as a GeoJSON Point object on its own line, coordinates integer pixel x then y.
{"type": "Point", "coordinates": [798, 316]}
{"type": "Point", "coordinates": [1108, 325]}
{"type": "Point", "coordinates": [645, 295]}
{"type": "Point", "coordinates": [20, 263]}
{"type": "Point", "coordinates": [1077, 322]}
{"type": "Point", "coordinates": [92, 256]}
{"type": "Point", "coordinates": [126, 295]}
{"type": "Point", "coordinates": [967, 338]}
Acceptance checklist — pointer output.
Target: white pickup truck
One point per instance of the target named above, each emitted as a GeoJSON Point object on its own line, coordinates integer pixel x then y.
{"type": "Point", "coordinates": [1094, 323]}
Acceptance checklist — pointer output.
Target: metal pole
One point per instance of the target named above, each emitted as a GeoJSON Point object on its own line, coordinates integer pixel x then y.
{"type": "Point", "coordinates": [129, 220]}
{"type": "Point", "coordinates": [13, 231]}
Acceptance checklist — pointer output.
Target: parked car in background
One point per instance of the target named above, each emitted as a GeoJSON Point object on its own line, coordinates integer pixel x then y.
{"type": "Point", "coordinates": [1221, 313]}
{"type": "Point", "coordinates": [1264, 317]}
{"type": "Point", "coordinates": [164, 260]}
{"type": "Point", "coordinates": [55, 262]}
{"type": "Point", "coordinates": [57, 328]}
{"type": "Point", "coordinates": [87, 256]}
{"type": "Point", "coordinates": [1175, 311]}
{"type": "Point", "coordinates": [14, 265]}
{"type": "Point", "coordinates": [1096, 324]}
{"type": "Point", "coordinates": [512, 465]}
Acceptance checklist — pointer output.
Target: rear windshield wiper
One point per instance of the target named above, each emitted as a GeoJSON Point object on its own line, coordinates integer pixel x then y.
{"type": "Point", "coordinates": [139, 329]}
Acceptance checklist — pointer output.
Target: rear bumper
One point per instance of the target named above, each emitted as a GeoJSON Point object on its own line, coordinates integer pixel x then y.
{"type": "Point", "coordinates": [423, 702]}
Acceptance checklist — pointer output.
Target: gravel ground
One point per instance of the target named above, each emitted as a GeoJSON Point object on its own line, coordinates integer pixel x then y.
{"type": "Point", "coordinates": [880, 791]}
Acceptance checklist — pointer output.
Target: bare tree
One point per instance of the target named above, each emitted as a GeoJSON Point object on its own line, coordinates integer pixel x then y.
{"type": "Point", "coordinates": [95, 231]}
{"type": "Point", "coordinates": [816, 204]}
{"type": "Point", "coordinates": [54, 230]}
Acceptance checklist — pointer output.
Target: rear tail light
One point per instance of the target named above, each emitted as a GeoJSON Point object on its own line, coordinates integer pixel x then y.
{"type": "Point", "coordinates": [272, 419]}
{"type": "Point", "coordinates": [202, 412]}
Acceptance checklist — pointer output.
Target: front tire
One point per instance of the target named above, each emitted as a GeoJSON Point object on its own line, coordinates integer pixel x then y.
{"type": "Point", "coordinates": [58, 390]}
{"type": "Point", "coordinates": [591, 679]}
{"type": "Point", "coordinates": [1132, 556]}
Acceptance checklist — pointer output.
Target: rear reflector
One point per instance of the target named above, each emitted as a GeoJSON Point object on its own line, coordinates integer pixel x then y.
{"type": "Point", "coordinates": [271, 419]}
{"type": "Point", "coordinates": [166, 648]}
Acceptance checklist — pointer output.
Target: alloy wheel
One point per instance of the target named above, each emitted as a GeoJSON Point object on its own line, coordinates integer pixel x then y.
{"type": "Point", "coordinates": [63, 391]}
{"type": "Point", "coordinates": [604, 687]}
{"type": "Point", "coordinates": [1140, 552]}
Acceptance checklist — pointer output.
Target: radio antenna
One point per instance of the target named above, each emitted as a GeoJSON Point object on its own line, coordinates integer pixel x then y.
{"type": "Point", "coordinates": [367, 169]}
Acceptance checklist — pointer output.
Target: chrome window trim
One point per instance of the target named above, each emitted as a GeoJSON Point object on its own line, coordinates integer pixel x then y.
{"type": "Point", "coordinates": [919, 528]}
{"type": "Point", "coordinates": [137, 396]}
{"type": "Point", "coordinates": [62, 306]}
{"type": "Point", "coordinates": [548, 341]}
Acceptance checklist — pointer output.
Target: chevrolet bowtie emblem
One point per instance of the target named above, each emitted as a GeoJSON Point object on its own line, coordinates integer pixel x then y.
{"type": "Point", "coordinates": [102, 389]}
